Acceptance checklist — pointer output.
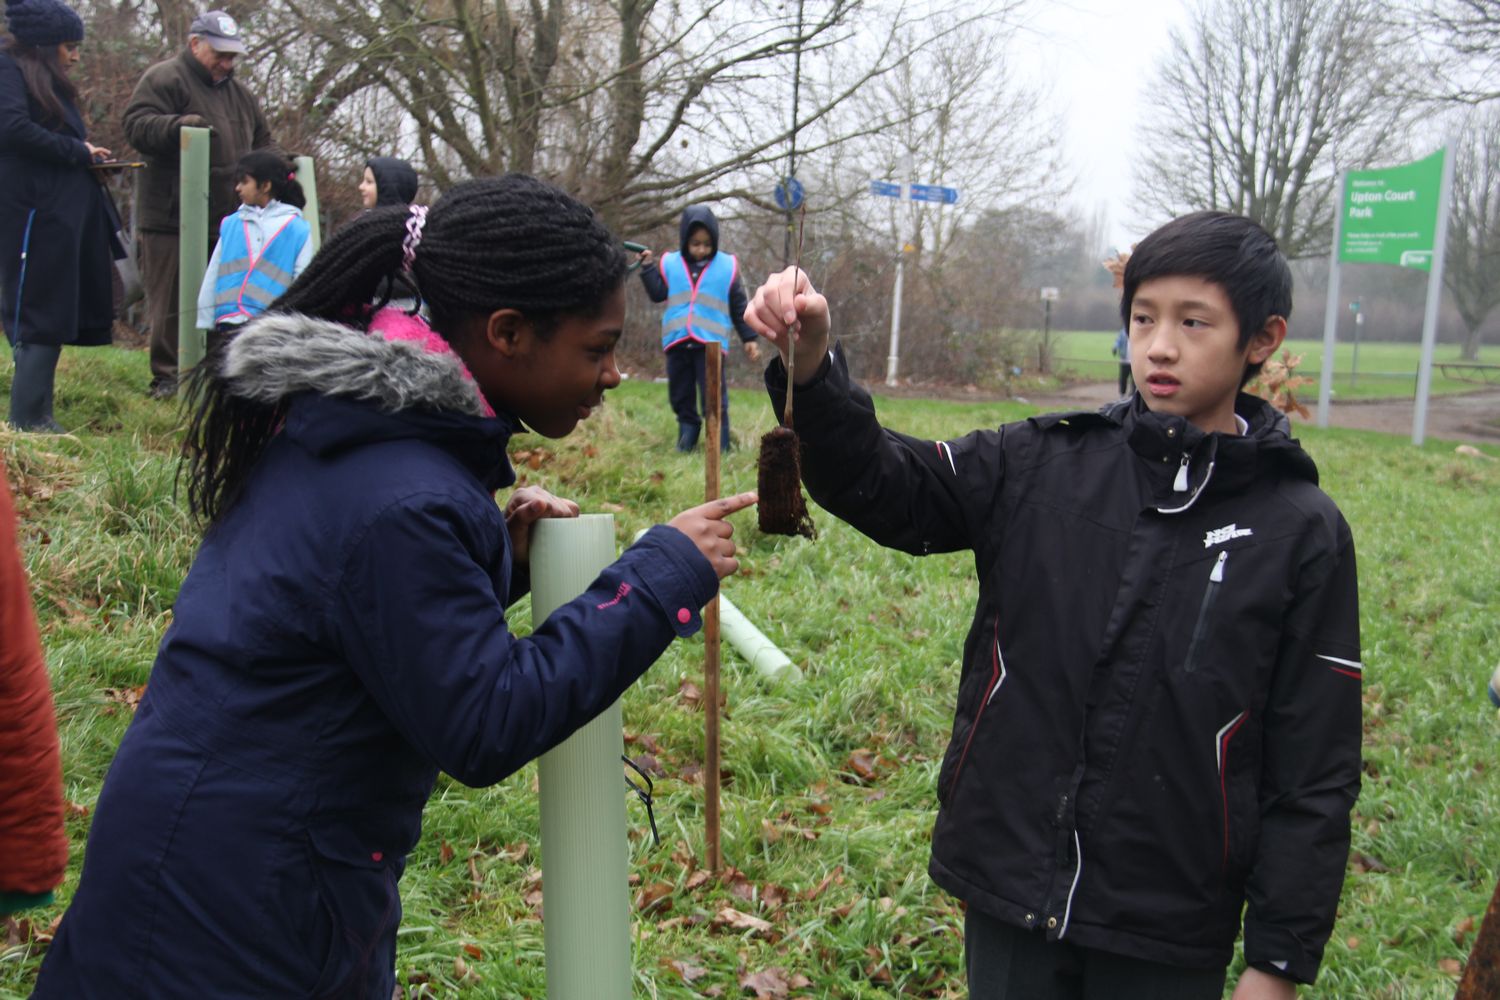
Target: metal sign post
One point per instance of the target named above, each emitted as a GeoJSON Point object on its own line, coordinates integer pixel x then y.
{"type": "Point", "coordinates": [1395, 215]}
{"type": "Point", "coordinates": [1331, 308]}
{"type": "Point", "coordinates": [1359, 326]}
{"type": "Point", "coordinates": [1434, 299]}
{"type": "Point", "coordinates": [893, 359]}
{"type": "Point", "coordinates": [907, 192]}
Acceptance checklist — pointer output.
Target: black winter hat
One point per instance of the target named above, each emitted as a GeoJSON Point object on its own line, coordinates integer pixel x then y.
{"type": "Point", "coordinates": [42, 23]}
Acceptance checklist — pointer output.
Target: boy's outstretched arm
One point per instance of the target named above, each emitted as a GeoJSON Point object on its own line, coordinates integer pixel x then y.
{"type": "Point", "coordinates": [651, 277]}
{"type": "Point", "coordinates": [906, 493]}
{"type": "Point", "coordinates": [1311, 764]}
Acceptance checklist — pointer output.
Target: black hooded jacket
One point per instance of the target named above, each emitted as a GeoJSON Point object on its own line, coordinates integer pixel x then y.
{"type": "Point", "coordinates": [656, 285]}
{"type": "Point", "coordinates": [1158, 718]}
{"type": "Point", "coordinates": [395, 181]}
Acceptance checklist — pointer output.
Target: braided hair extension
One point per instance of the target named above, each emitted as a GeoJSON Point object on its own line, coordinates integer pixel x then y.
{"type": "Point", "coordinates": [511, 242]}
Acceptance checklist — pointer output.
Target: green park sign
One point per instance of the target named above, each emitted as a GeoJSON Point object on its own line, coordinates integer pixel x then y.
{"type": "Point", "coordinates": [1390, 216]}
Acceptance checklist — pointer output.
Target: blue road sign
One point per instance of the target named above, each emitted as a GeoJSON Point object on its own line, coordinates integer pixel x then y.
{"type": "Point", "coordinates": [933, 192]}
{"type": "Point", "coordinates": [885, 189]}
{"type": "Point", "coordinates": [789, 195]}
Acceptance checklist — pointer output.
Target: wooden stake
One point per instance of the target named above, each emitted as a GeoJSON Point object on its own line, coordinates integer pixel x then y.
{"type": "Point", "coordinates": [713, 402]}
{"type": "Point", "coordinates": [1482, 974]}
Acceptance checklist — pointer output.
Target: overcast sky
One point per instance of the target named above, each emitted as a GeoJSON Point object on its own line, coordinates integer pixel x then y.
{"type": "Point", "coordinates": [1099, 56]}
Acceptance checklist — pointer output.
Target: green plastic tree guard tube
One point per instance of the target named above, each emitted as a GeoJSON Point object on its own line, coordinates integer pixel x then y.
{"type": "Point", "coordinates": [309, 181]}
{"type": "Point", "coordinates": [752, 644]}
{"type": "Point", "coordinates": [192, 256]}
{"type": "Point", "coordinates": [585, 853]}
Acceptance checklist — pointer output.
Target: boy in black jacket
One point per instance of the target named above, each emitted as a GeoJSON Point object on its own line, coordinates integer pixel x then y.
{"type": "Point", "coordinates": [1158, 720]}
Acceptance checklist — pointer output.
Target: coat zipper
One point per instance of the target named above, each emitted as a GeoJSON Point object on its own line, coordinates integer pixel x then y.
{"type": "Point", "coordinates": [1180, 484]}
{"type": "Point", "coordinates": [1210, 594]}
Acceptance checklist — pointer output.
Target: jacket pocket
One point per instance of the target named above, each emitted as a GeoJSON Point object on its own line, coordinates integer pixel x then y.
{"type": "Point", "coordinates": [360, 903]}
{"type": "Point", "coordinates": [1236, 793]}
{"type": "Point", "coordinates": [962, 743]}
{"type": "Point", "coordinates": [1205, 614]}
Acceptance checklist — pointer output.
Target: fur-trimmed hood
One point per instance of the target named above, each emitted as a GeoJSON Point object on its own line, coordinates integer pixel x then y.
{"type": "Point", "coordinates": [283, 355]}
{"type": "Point", "coordinates": [345, 388]}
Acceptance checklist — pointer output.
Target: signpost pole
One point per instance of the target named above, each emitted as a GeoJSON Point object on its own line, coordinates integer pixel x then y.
{"type": "Point", "coordinates": [1434, 298]}
{"type": "Point", "coordinates": [1359, 325]}
{"type": "Point", "coordinates": [1331, 306]}
{"type": "Point", "coordinates": [908, 192]}
{"type": "Point", "coordinates": [893, 359]}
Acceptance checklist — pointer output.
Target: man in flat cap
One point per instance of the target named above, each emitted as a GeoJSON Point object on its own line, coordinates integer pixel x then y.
{"type": "Point", "coordinates": [194, 88]}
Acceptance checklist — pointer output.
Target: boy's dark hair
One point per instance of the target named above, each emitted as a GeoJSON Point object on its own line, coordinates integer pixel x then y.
{"type": "Point", "coordinates": [265, 167]}
{"type": "Point", "coordinates": [1231, 251]}
{"type": "Point", "coordinates": [510, 242]}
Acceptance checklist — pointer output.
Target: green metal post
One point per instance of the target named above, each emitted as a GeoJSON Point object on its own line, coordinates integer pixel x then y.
{"type": "Point", "coordinates": [585, 853]}
{"type": "Point", "coordinates": [309, 181]}
{"type": "Point", "coordinates": [192, 256]}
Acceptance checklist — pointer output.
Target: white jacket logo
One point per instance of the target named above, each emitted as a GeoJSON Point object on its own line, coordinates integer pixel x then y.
{"type": "Point", "coordinates": [1219, 536]}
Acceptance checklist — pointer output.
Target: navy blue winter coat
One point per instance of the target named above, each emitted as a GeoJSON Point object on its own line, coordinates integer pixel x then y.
{"type": "Point", "coordinates": [340, 638]}
{"type": "Point", "coordinates": [56, 234]}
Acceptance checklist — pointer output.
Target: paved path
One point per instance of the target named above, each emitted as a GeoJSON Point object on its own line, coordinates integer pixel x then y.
{"type": "Point", "coordinates": [1471, 417]}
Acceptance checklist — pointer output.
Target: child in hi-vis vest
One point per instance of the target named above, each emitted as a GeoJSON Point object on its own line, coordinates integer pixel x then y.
{"type": "Point", "coordinates": [261, 248]}
{"type": "Point", "coordinates": [704, 298]}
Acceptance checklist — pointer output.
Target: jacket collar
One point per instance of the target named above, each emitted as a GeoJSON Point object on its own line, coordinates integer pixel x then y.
{"type": "Point", "coordinates": [1161, 441]}
{"type": "Point", "coordinates": [197, 69]}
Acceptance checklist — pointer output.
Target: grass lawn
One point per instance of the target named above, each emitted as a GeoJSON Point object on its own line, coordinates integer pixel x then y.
{"type": "Point", "coordinates": [829, 809]}
{"type": "Point", "coordinates": [1386, 370]}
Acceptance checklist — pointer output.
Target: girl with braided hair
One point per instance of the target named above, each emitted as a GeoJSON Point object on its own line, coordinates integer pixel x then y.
{"type": "Point", "coordinates": [341, 636]}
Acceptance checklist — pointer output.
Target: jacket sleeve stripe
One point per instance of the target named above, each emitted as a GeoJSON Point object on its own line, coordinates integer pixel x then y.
{"type": "Point", "coordinates": [1355, 668]}
{"type": "Point", "coordinates": [946, 452]}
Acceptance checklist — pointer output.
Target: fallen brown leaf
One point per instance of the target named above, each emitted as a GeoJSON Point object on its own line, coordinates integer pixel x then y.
{"type": "Point", "coordinates": [463, 973]}
{"type": "Point", "coordinates": [733, 919]}
{"type": "Point", "coordinates": [837, 875]}
{"type": "Point", "coordinates": [863, 764]}
{"type": "Point", "coordinates": [648, 763]}
{"type": "Point", "coordinates": [685, 968]}
{"type": "Point", "coordinates": [768, 984]}
{"type": "Point", "coordinates": [129, 697]}
{"type": "Point", "coordinates": [655, 898]}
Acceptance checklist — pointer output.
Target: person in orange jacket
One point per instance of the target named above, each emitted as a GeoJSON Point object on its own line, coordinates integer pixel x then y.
{"type": "Point", "coordinates": [33, 844]}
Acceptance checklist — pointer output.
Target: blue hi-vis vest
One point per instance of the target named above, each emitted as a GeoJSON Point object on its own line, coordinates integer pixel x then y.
{"type": "Point", "coordinates": [697, 311]}
{"type": "Point", "coordinates": [245, 287]}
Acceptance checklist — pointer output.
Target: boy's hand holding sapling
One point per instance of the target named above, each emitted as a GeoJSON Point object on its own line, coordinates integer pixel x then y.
{"type": "Point", "coordinates": [780, 308]}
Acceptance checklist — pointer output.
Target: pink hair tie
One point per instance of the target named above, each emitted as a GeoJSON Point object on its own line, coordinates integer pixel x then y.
{"type": "Point", "coordinates": [414, 225]}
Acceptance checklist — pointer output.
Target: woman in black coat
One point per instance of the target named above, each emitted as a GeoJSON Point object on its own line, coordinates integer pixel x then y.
{"type": "Point", "coordinates": [55, 234]}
